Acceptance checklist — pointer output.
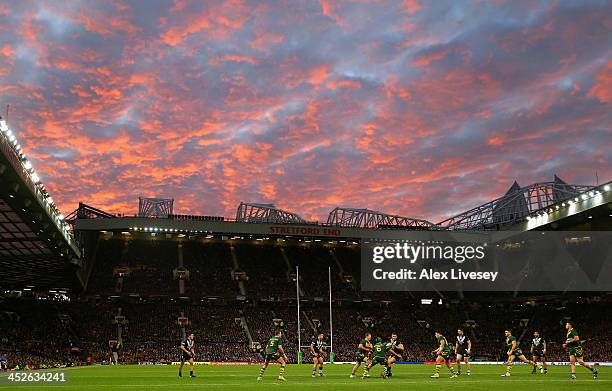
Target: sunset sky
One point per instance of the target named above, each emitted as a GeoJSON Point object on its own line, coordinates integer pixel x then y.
{"type": "Point", "coordinates": [420, 108]}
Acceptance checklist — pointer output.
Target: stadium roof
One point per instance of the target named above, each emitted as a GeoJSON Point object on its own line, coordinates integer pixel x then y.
{"type": "Point", "coordinates": [522, 208]}
{"type": "Point", "coordinates": [514, 206]}
{"type": "Point", "coordinates": [36, 245]}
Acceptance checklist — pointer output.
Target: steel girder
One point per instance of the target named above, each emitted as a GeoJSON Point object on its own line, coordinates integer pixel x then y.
{"type": "Point", "coordinates": [266, 213]}
{"type": "Point", "coordinates": [514, 206]}
{"type": "Point", "coordinates": [366, 218]}
{"type": "Point", "coordinates": [155, 207]}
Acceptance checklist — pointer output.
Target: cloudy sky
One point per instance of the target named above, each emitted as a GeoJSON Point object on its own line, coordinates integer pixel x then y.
{"type": "Point", "coordinates": [421, 108]}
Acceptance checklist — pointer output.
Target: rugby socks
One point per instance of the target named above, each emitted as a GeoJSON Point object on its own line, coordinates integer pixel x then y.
{"type": "Point", "coordinates": [366, 371]}
{"type": "Point", "coordinates": [191, 373]}
{"type": "Point", "coordinates": [508, 368]}
{"type": "Point", "coordinates": [452, 369]}
{"type": "Point", "coordinates": [262, 370]}
{"type": "Point", "coordinates": [438, 366]}
{"type": "Point", "coordinates": [282, 370]}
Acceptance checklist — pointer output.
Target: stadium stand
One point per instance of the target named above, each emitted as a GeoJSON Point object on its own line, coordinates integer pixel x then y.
{"type": "Point", "coordinates": [51, 332]}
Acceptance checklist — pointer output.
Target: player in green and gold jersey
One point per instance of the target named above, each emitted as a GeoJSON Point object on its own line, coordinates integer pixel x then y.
{"type": "Point", "coordinates": [363, 352]}
{"type": "Point", "coordinates": [443, 355]}
{"type": "Point", "coordinates": [514, 352]}
{"type": "Point", "coordinates": [275, 351]}
{"type": "Point", "coordinates": [575, 351]}
{"type": "Point", "coordinates": [379, 351]}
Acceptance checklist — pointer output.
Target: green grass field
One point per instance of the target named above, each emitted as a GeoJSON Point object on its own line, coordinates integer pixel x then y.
{"type": "Point", "coordinates": [243, 377]}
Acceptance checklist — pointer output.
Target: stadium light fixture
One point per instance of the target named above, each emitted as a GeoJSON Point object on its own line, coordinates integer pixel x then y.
{"type": "Point", "coordinates": [591, 193]}
{"type": "Point", "coordinates": [60, 217]}
{"type": "Point", "coordinates": [606, 187]}
{"type": "Point", "coordinates": [584, 196]}
{"type": "Point", "coordinates": [3, 126]}
{"type": "Point", "coordinates": [27, 165]}
{"type": "Point", "coordinates": [36, 178]}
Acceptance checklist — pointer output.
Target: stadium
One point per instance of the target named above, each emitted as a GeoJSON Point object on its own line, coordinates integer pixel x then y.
{"type": "Point", "coordinates": [76, 286]}
{"type": "Point", "coordinates": [514, 291]}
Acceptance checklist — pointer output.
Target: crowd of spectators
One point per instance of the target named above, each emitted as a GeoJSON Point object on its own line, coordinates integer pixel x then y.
{"type": "Point", "coordinates": [38, 333]}
{"type": "Point", "coordinates": [44, 333]}
{"type": "Point", "coordinates": [210, 268]}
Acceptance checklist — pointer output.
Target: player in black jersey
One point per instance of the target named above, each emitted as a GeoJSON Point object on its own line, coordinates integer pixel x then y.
{"type": "Point", "coordinates": [463, 350]}
{"type": "Point", "coordinates": [396, 348]}
{"type": "Point", "coordinates": [114, 345]}
{"type": "Point", "coordinates": [187, 354]}
{"type": "Point", "coordinates": [538, 352]}
{"type": "Point", "coordinates": [318, 350]}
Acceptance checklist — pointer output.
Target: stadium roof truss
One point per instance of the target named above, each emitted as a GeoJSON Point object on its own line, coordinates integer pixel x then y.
{"type": "Point", "coordinates": [155, 207]}
{"type": "Point", "coordinates": [514, 206]}
{"type": "Point", "coordinates": [85, 211]}
{"type": "Point", "coordinates": [366, 218]}
{"type": "Point", "coordinates": [266, 213]}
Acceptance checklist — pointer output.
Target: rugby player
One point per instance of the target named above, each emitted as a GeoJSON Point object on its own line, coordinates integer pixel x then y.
{"type": "Point", "coordinates": [514, 352]}
{"type": "Point", "coordinates": [443, 353]}
{"type": "Point", "coordinates": [575, 350]}
{"type": "Point", "coordinates": [538, 352]}
{"type": "Point", "coordinates": [187, 349]}
{"type": "Point", "coordinates": [317, 348]}
{"type": "Point", "coordinates": [363, 352]}
{"type": "Point", "coordinates": [275, 352]}
{"type": "Point", "coordinates": [396, 349]}
{"type": "Point", "coordinates": [380, 357]}
{"type": "Point", "coordinates": [463, 350]}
